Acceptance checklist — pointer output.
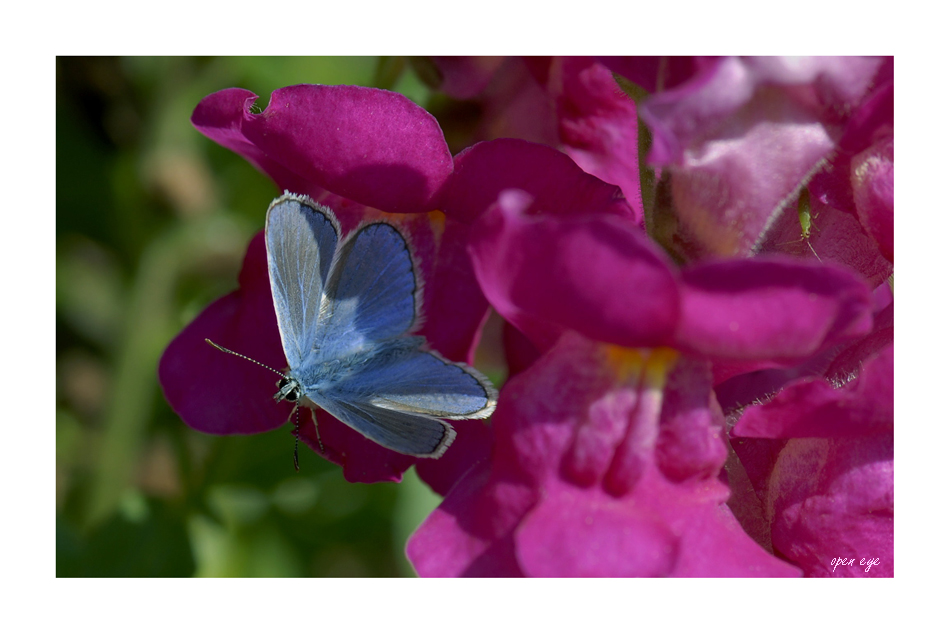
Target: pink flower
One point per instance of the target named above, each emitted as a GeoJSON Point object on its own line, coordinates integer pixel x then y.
{"type": "Point", "coordinates": [609, 446]}
{"type": "Point", "coordinates": [819, 456]}
{"type": "Point", "coordinates": [572, 103]}
{"type": "Point", "coordinates": [741, 137]}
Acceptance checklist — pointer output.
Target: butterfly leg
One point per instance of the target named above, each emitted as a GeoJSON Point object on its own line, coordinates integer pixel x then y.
{"type": "Point", "coordinates": [296, 438]}
{"type": "Point", "coordinates": [296, 415]}
{"type": "Point", "coordinates": [316, 426]}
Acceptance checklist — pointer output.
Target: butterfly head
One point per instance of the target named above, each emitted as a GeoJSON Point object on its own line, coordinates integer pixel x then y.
{"type": "Point", "coordinates": [288, 388]}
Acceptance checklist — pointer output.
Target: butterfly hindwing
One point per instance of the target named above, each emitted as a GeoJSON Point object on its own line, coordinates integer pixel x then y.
{"type": "Point", "coordinates": [401, 376]}
{"type": "Point", "coordinates": [301, 240]}
{"type": "Point", "coordinates": [405, 433]}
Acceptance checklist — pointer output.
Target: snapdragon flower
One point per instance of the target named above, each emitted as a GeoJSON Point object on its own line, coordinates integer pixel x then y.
{"type": "Point", "coordinates": [608, 448]}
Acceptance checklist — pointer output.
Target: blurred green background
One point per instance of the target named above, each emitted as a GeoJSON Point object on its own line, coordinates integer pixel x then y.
{"type": "Point", "coordinates": [152, 223]}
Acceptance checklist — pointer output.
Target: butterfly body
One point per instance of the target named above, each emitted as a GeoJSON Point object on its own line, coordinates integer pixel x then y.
{"type": "Point", "coordinates": [346, 311]}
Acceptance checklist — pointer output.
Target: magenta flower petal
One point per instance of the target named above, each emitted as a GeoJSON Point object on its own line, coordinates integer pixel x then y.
{"type": "Point", "coordinates": [827, 492]}
{"type": "Point", "coordinates": [850, 361]}
{"type": "Point", "coordinates": [834, 499]}
{"type": "Point", "coordinates": [519, 351]}
{"type": "Point", "coordinates": [598, 127]}
{"type": "Point", "coordinates": [690, 443]}
{"type": "Point", "coordinates": [836, 236]}
{"type": "Point", "coordinates": [693, 110]}
{"type": "Point", "coordinates": [515, 103]}
{"type": "Point", "coordinates": [875, 114]}
{"type": "Point", "coordinates": [740, 384]}
{"type": "Point", "coordinates": [770, 308]}
{"type": "Point", "coordinates": [555, 182]}
{"type": "Point", "coordinates": [454, 306]}
{"type": "Point", "coordinates": [472, 446]}
{"type": "Point", "coordinates": [573, 488]}
{"type": "Point", "coordinates": [594, 274]}
{"type": "Point", "coordinates": [471, 533]}
{"type": "Point", "coordinates": [870, 123]}
{"type": "Point", "coordinates": [872, 177]}
{"type": "Point", "coordinates": [594, 535]}
{"type": "Point", "coordinates": [743, 135]}
{"type": "Point", "coordinates": [218, 393]}
{"type": "Point", "coordinates": [813, 408]}
{"type": "Point", "coordinates": [819, 500]}
{"type": "Point", "coordinates": [221, 117]}
{"type": "Point", "coordinates": [662, 531]}
{"type": "Point", "coordinates": [465, 77]}
{"type": "Point", "coordinates": [714, 529]}
{"type": "Point", "coordinates": [334, 137]}
{"type": "Point", "coordinates": [654, 73]}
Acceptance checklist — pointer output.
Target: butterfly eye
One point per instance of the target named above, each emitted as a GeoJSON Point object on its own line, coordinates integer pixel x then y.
{"type": "Point", "coordinates": [283, 383]}
{"type": "Point", "coordinates": [294, 395]}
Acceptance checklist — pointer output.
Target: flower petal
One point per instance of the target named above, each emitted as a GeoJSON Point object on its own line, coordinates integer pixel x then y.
{"type": "Point", "coordinates": [556, 183]}
{"type": "Point", "coordinates": [656, 73]}
{"type": "Point", "coordinates": [658, 530]}
{"type": "Point", "coordinates": [594, 274]}
{"type": "Point", "coordinates": [464, 77]}
{"type": "Point", "coordinates": [372, 146]}
{"type": "Point", "coordinates": [770, 308]}
{"type": "Point", "coordinates": [516, 105]}
{"type": "Point", "coordinates": [597, 123]}
{"type": "Point", "coordinates": [835, 236]}
{"type": "Point", "coordinates": [872, 178]}
{"type": "Point", "coordinates": [713, 544]}
{"type": "Point", "coordinates": [453, 303]}
{"type": "Point", "coordinates": [690, 443]}
{"type": "Point", "coordinates": [470, 533]}
{"type": "Point", "coordinates": [593, 535]}
{"type": "Point", "coordinates": [834, 498]}
{"type": "Point", "coordinates": [219, 393]}
{"type": "Point", "coordinates": [472, 446]}
{"type": "Point", "coordinates": [813, 408]}
{"type": "Point", "coordinates": [742, 137]}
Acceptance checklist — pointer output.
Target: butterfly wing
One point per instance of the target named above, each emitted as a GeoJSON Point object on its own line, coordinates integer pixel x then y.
{"type": "Point", "coordinates": [405, 433]}
{"type": "Point", "coordinates": [421, 382]}
{"type": "Point", "coordinates": [301, 240]}
{"type": "Point", "coordinates": [371, 293]}
{"type": "Point", "coordinates": [396, 396]}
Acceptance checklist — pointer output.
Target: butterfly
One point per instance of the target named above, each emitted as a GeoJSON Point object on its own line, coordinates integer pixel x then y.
{"type": "Point", "coordinates": [346, 310]}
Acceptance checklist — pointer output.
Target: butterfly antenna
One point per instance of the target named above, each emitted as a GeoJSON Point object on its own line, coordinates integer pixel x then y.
{"type": "Point", "coordinates": [316, 426]}
{"type": "Point", "coordinates": [296, 438]}
{"type": "Point", "coordinates": [238, 354]}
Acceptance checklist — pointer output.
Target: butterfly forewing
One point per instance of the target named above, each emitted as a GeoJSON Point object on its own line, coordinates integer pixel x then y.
{"type": "Point", "coordinates": [371, 293]}
{"type": "Point", "coordinates": [301, 240]}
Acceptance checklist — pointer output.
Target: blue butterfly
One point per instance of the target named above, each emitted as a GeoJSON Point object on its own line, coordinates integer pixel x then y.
{"type": "Point", "coordinates": [345, 310]}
